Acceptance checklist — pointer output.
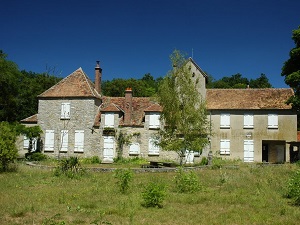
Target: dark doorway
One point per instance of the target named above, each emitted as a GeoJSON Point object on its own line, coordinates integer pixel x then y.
{"type": "Point", "coordinates": [265, 152]}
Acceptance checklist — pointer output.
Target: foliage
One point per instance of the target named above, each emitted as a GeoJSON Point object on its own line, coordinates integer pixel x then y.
{"type": "Point", "coordinates": [32, 133]}
{"type": "Point", "coordinates": [70, 167]}
{"type": "Point", "coordinates": [122, 139]}
{"type": "Point", "coordinates": [124, 177]}
{"type": "Point", "coordinates": [37, 156]}
{"type": "Point", "coordinates": [135, 161]}
{"type": "Point", "coordinates": [186, 181]}
{"type": "Point", "coordinates": [91, 160]}
{"type": "Point", "coordinates": [8, 149]}
{"type": "Point", "coordinates": [291, 71]}
{"type": "Point", "coordinates": [184, 112]}
{"type": "Point", "coordinates": [154, 194]}
{"type": "Point", "coordinates": [293, 188]}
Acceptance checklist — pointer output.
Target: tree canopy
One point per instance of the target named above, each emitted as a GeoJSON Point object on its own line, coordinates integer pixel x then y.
{"type": "Point", "coordinates": [184, 112]}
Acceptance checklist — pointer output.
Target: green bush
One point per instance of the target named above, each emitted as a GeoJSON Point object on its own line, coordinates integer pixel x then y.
{"type": "Point", "coordinates": [293, 189]}
{"type": "Point", "coordinates": [36, 156]}
{"type": "Point", "coordinates": [124, 177]}
{"type": "Point", "coordinates": [154, 194]}
{"type": "Point", "coordinates": [92, 160]}
{"type": "Point", "coordinates": [186, 181]}
{"type": "Point", "coordinates": [70, 167]}
{"type": "Point", "coordinates": [204, 161]}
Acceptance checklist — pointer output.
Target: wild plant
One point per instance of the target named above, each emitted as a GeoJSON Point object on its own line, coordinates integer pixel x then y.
{"type": "Point", "coordinates": [124, 177]}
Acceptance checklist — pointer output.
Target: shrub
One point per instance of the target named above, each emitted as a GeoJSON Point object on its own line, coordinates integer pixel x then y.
{"type": "Point", "coordinates": [154, 194]}
{"type": "Point", "coordinates": [204, 161]}
{"type": "Point", "coordinates": [36, 156]}
{"type": "Point", "coordinates": [293, 189]}
{"type": "Point", "coordinates": [92, 160]}
{"type": "Point", "coordinates": [70, 167]}
{"type": "Point", "coordinates": [186, 182]}
{"type": "Point", "coordinates": [124, 177]}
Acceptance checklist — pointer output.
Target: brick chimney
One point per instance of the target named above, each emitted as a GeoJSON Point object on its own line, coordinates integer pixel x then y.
{"type": "Point", "coordinates": [98, 75]}
{"type": "Point", "coordinates": [128, 106]}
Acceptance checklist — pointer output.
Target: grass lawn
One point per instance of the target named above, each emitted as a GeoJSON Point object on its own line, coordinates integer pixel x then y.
{"type": "Point", "coordinates": [247, 195]}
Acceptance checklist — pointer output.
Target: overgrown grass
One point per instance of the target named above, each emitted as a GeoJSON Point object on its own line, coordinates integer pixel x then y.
{"type": "Point", "coordinates": [247, 195]}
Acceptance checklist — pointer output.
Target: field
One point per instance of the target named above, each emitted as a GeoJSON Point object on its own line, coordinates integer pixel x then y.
{"type": "Point", "coordinates": [250, 194]}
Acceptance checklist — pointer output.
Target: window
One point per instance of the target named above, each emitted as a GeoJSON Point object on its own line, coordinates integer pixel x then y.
{"type": "Point", "coordinates": [64, 140]}
{"type": "Point", "coordinates": [134, 149]}
{"type": "Point", "coordinates": [248, 151]}
{"type": "Point", "coordinates": [108, 148]}
{"type": "Point", "coordinates": [272, 121]}
{"type": "Point", "coordinates": [26, 142]}
{"type": "Point", "coordinates": [49, 140]}
{"type": "Point", "coordinates": [34, 143]}
{"type": "Point", "coordinates": [153, 149]}
{"type": "Point", "coordinates": [225, 120]}
{"type": "Point", "coordinates": [109, 120]}
{"type": "Point", "coordinates": [225, 147]}
{"type": "Point", "coordinates": [79, 141]}
{"type": "Point", "coordinates": [65, 111]}
{"type": "Point", "coordinates": [154, 120]}
{"type": "Point", "coordinates": [248, 120]}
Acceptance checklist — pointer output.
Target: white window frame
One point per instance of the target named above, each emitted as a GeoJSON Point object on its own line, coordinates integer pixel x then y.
{"type": "Point", "coordinates": [49, 140]}
{"type": "Point", "coordinates": [154, 120]}
{"type": "Point", "coordinates": [64, 140]}
{"type": "Point", "coordinates": [248, 120]}
{"type": "Point", "coordinates": [79, 141]}
{"type": "Point", "coordinates": [134, 149]}
{"type": "Point", "coordinates": [224, 147]}
{"type": "Point", "coordinates": [153, 149]}
{"type": "Point", "coordinates": [109, 120]}
{"type": "Point", "coordinates": [273, 121]}
{"type": "Point", "coordinates": [26, 142]}
{"type": "Point", "coordinates": [225, 120]}
{"type": "Point", "coordinates": [248, 153]}
{"type": "Point", "coordinates": [65, 110]}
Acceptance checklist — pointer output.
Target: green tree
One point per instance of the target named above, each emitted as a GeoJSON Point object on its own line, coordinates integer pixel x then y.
{"type": "Point", "coordinates": [184, 112]}
{"type": "Point", "coordinates": [8, 148]}
{"type": "Point", "coordinates": [291, 71]}
{"type": "Point", "coordinates": [261, 82]}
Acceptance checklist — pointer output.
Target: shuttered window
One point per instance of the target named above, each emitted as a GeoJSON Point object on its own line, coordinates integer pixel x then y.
{"type": "Point", "coordinates": [109, 120]}
{"type": "Point", "coordinates": [134, 149]}
{"type": "Point", "coordinates": [65, 110]}
{"type": "Point", "coordinates": [153, 149]}
{"type": "Point", "coordinates": [248, 121]}
{"type": "Point", "coordinates": [79, 141]}
{"type": "Point", "coordinates": [64, 138]}
{"type": "Point", "coordinates": [225, 147]}
{"type": "Point", "coordinates": [154, 120]}
{"type": "Point", "coordinates": [49, 140]}
{"type": "Point", "coordinates": [248, 151]}
{"type": "Point", "coordinates": [273, 121]}
{"type": "Point", "coordinates": [225, 120]}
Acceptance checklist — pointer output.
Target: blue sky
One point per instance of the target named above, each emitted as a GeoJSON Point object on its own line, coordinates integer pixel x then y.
{"type": "Point", "coordinates": [131, 38]}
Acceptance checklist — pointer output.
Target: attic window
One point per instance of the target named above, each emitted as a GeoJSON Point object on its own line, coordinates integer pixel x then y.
{"type": "Point", "coordinates": [65, 110]}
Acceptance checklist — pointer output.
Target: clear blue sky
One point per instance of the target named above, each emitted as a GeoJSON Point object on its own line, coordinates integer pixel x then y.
{"type": "Point", "coordinates": [131, 38]}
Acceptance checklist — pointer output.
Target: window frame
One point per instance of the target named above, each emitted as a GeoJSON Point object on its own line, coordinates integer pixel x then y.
{"type": "Point", "coordinates": [65, 110]}
{"type": "Point", "coordinates": [49, 140]}
{"type": "Point", "coordinates": [78, 144]}
{"type": "Point", "coordinates": [225, 120]}
{"type": "Point", "coordinates": [154, 120]}
{"type": "Point", "coordinates": [248, 120]}
{"type": "Point", "coordinates": [109, 119]}
{"type": "Point", "coordinates": [64, 140]}
{"type": "Point", "coordinates": [152, 149]}
{"type": "Point", "coordinates": [224, 151]}
{"type": "Point", "coordinates": [272, 121]}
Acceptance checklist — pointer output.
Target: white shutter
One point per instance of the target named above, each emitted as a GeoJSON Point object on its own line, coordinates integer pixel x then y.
{"type": "Point", "coordinates": [153, 149]}
{"type": "Point", "coordinates": [225, 147]}
{"type": "Point", "coordinates": [225, 120]}
{"type": "Point", "coordinates": [109, 120]}
{"type": "Point", "coordinates": [26, 142]}
{"type": "Point", "coordinates": [248, 151]}
{"type": "Point", "coordinates": [49, 140]}
{"type": "Point", "coordinates": [65, 110]}
{"type": "Point", "coordinates": [248, 120]}
{"type": "Point", "coordinates": [108, 152]}
{"type": "Point", "coordinates": [154, 120]}
{"type": "Point", "coordinates": [64, 138]}
{"type": "Point", "coordinates": [79, 140]}
{"type": "Point", "coordinates": [272, 121]}
{"type": "Point", "coordinates": [134, 149]}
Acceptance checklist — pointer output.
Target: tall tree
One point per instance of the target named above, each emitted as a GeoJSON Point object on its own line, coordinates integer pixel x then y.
{"type": "Point", "coordinates": [184, 112]}
{"type": "Point", "coordinates": [291, 70]}
{"type": "Point", "coordinates": [261, 82]}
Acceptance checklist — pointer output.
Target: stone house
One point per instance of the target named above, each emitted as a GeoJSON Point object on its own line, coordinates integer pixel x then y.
{"type": "Point", "coordinates": [248, 124]}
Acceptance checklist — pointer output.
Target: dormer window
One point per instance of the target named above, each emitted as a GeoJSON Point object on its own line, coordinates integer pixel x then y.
{"type": "Point", "coordinates": [65, 110]}
{"type": "Point", "coordinates": [154, 120]}
{"type": "Point", "coordinates": [109, 120]}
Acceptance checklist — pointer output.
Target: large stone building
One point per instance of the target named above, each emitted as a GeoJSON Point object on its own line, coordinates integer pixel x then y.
{"type": "Point", "coordinates": [247, 124]}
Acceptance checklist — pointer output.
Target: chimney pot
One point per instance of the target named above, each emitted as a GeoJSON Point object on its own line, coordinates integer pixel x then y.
{"type": "Point", "coordinates": [98, 75]}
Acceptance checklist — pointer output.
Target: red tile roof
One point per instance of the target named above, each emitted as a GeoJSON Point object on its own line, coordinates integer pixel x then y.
{"type": "Point", "coordinates": [30, 119]}
{"type": "Point", "coordinates": [267, 98]}
{"type": "Point", "coordinates": [77, 84]}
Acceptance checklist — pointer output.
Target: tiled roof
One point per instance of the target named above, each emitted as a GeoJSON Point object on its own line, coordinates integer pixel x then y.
{"type": "Point", "coordinates": [267, 98]}
{"type": "Point", "coordinates": [139, 106]}
{"type": "Point", "coordinates": [30, 119]}
{"type": "Point", "coordinates": [77, 84]}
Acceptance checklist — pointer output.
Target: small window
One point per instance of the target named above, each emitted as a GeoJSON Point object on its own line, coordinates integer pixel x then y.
{"type": "Point", "coordinates": [109, 120]}
{"type": "Point", "coordinates": [49, 140]}
{"type": "Point", "coordinates": [134, 149]}
{"type": "Point", "coordinates": [65, 111]}
{"type": "Point", "coordinates": [154, 122]}
{"type": "Point", "coordinates": [153, 149]}
{"type": "Point", "coordinates": [26, 142]}
{"type": "Point", "coordinates": [225, 120]}
{"type": "Point", "coordinates": [273, 121]}
{"type": "Point", "coordinates": [225, 147]}
{"type": "Point", "coordinates": [248, 120]}
{"type": "Point", "coordinates": [79, 140]}
{"type": "Point", "coordinates": [64, 138]}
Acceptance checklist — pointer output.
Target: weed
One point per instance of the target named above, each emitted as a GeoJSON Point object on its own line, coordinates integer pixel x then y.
{"type": "Point", "coordinates": [154, 194]}
{"type": "Point", "coordinates": [186, 181]}
{"type": "Point", "coordinates": [124, 177]}
{"type": "Point", "coordinates": [293, 191]}
{"type": "Point", "coordinates": [70, 167]}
